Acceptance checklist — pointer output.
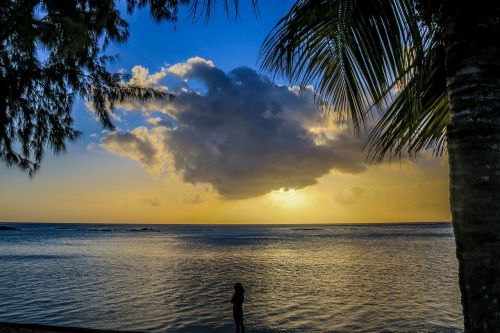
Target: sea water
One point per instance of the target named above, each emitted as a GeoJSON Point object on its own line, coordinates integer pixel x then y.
{"type": "Point", "coordinates": [167, 278]}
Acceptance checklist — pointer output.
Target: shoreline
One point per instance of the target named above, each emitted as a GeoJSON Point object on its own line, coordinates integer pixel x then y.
{"type": "Point", "coordinates": [36, 328]}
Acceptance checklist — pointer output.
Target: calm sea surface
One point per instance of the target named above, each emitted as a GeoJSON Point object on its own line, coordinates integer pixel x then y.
{"type": "Point", "coordinates": [335, 278]}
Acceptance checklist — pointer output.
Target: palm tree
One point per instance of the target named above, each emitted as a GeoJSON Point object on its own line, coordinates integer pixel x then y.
{"type": "Point", "coordinates": [434, 68]}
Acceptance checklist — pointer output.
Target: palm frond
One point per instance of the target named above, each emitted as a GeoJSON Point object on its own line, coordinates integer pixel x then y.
{"type": "Point", "coordinates": [418, 115]}
{"type": "Point", "coordinates": [353, 51]}
{"type": "Point", "coordinates": [357, 54]}
{"type": "Point", "coordinates": [206, 8]}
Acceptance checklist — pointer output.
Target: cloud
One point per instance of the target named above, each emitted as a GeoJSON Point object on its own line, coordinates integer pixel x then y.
{"type": "Point", "coordinates": [167, 122]}
{"type": "Point", "coordinates": [155, 202]}
{"type": "Point", "coordinates": [243, 134]}
{"type": "Point", "coordinates": [351, 196]}
{"type": "Point", "coordinates": [142, 145]}
{"type": "Point", "coordinates": [141, 77]}
{"type": "Point", "coordinates": [189, 67]}
{"type": "Point", "coordinates": [196, 199]}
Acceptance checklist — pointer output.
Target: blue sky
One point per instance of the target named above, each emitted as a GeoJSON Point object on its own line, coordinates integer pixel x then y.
{"type": "Point", "coordinates": [229, 42]}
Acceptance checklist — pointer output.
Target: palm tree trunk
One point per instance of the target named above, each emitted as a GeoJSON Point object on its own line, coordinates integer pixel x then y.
{"type": "Point", "coordinates": [472, 40]}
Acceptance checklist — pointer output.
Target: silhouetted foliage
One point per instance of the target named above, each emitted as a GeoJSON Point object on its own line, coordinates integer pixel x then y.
{"type": "Point", "coordinates": [50, 53]}
{"type": "Point", "coordinates": [367, 55]}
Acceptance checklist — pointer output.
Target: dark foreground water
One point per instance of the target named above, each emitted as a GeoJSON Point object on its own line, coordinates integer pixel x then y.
{"type": "Point", "coordinates": [337, 278]}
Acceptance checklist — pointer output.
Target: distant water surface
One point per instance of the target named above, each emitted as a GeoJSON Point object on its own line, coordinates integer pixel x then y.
{"type": "Point", "coordinates": [334, 278]}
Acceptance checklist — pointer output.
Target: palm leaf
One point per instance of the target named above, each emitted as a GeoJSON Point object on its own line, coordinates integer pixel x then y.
{"type": "Point", "coordinates": [418, 115]}
{"type": "Point", "coordinates": [357, 53]}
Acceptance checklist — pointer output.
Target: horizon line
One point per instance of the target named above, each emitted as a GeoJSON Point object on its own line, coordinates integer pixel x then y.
{"type": "Point", "coordinates": [236, 224]}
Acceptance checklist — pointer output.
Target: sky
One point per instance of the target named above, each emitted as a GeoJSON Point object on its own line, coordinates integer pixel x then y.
{"type": "Point", "coordinates": [234, 146]}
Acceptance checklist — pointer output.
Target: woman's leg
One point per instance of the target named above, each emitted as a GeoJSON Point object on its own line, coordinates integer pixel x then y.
{"type": "Point", "coordinates": [238, 321]}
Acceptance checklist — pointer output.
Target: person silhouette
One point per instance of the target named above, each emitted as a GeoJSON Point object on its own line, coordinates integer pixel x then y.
{"type": "Point", "coordinates": [237, 301]}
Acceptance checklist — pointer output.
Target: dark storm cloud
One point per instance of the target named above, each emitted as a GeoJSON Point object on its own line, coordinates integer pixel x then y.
{"type": "Point", "coordinates": [247, 136]}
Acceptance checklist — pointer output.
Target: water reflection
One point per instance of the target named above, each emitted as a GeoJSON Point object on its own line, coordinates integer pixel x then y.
{"type": "Point", "coordinates": [179, 279]}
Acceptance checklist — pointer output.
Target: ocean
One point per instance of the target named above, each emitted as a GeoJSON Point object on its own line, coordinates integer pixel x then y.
{"type": "Point", "coordinates": [179, 278]}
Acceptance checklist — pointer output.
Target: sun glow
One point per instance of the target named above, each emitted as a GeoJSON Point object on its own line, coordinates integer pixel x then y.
{"type": "Point", "coordinates": [288, 198]}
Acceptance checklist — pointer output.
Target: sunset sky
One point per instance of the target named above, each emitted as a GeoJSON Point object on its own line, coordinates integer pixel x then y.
{"type": "Point", "coordinates": [234, 146]}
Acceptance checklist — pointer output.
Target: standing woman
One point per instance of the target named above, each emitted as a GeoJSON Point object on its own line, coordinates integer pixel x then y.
{"type": "Point", "coordinates": [237, 301]}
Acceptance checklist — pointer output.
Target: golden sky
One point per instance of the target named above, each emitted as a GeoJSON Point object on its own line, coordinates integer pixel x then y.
{"type": "Point", "coordinates": [232, 148]}
{"type": "Point", "coordinates": [114, 189]}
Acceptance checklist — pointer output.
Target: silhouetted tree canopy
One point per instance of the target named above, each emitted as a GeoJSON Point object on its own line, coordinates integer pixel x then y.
{"type": "Point", "coordinates": [51, 52]}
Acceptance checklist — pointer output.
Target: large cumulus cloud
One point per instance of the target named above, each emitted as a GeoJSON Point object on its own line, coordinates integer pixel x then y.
{"type": "Point", "coordinates": [241, 133]}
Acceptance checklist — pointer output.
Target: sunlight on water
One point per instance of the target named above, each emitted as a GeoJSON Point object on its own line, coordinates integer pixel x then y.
{"type": "Point", "coordinates": [179, 278]}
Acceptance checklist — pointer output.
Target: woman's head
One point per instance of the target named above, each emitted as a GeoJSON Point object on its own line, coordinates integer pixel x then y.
{"type": "Point", "coordinates": [238, 287]}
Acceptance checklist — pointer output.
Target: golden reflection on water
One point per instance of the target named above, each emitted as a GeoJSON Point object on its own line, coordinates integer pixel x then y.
{"type": "Point", "coordinates": [179, 279]}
